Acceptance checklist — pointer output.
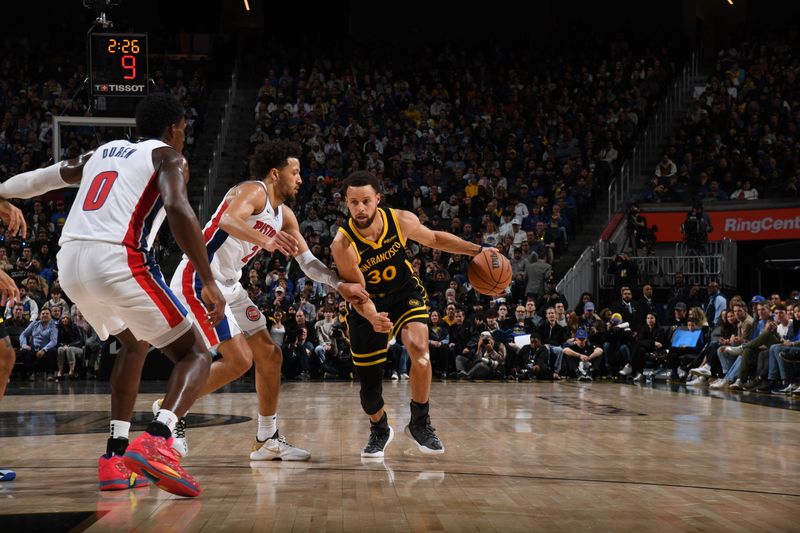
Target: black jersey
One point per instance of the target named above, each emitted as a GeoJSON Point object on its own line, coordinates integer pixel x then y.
{"type": "Point", "coordinates": [383, 263]}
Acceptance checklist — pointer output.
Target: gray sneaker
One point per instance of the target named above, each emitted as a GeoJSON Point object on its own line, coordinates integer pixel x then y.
{"type": "Point", "coordinates": [276, 447]}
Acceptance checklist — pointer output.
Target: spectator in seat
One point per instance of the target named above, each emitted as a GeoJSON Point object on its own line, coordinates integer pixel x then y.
{"type": "Point", "coordinates": [683, 347]}
{"type": "Point", "coordinates": [438, 341]}
{"type": "Point", "coordinates": [70, 346]}
{"type": "Point", "coordinates": [745, 192]}
{"type": "Point", "coordinates": [666, 167]}
{"type": "Point", "coordinates": [580, 355]}
{"type": "Point", "coordinates": [553, 337]}
{"type": "Point", "coordinates": [38, 345]}
{"type": "Point", "coordinates": [537, 270]}
{"type": "Point", "coordinates": [650, 338]}
{"type": "Point", "coordinates": [56, 300]}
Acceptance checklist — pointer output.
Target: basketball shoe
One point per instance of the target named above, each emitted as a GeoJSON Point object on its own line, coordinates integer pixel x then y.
{"type": "Point", "coordinates": [112, 474]}
{"type": "Point", "coordinates": [420, 431]}
{"type": "Point", "coordinates": [154, 457]}
{"type": "Point", "coordinates": [7, 475]}
{"type": "Point", "coordinates": [379, 439]}
{"type": "Point", "coordinates": [276, 447]}
{"type": "Point", "coordinates": [179, 441]}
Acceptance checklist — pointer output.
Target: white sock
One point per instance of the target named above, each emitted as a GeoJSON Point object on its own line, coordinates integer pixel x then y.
{"type": "Point", "coordinates": [267, 426]}
{"type": "Point", "coordinates": [120, 429]}
{"type": "Point", "coordinates": [168, 418]}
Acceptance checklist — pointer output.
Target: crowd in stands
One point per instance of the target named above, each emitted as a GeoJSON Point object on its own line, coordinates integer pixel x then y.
{"type": "Point", "coordinates": [493, 150]}
{"type": "Point", "coordinates": [739, 140]}
{"type": "Point", "coordinates": [50, 334]}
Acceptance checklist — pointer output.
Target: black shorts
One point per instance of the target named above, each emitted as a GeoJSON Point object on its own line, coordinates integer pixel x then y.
{"type": "Point", "coordinates": [368, 347]}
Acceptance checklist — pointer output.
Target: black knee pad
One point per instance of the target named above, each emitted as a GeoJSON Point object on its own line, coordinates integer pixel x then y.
{"type": "Point", "coordinates": [371, 378]}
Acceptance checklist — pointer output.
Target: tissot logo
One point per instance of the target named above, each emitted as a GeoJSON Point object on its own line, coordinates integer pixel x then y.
{"type": "Point", "coordinates": [119, 88]}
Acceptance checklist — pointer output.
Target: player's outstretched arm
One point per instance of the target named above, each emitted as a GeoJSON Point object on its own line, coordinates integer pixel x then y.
{"type": "Point", "coordinates": [245, 200]}
{"type": "Point", "coordinates": [172, 177]}
{"type": "Point", "coordinates": [353, 292]}
{"type": "Point", "coordinates": [42, 180]}
{"type": "Point", "coordinates": [447, 242]}
{"type": "Point", "coordinates": [347, 263]}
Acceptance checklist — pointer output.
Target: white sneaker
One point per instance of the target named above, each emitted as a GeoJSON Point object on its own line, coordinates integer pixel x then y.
{"type": "Point", "coordinates": [704, 370]}
{"type": "Point", "coordinates": [403, 376]}
{"type": "Point", "coordinates": [627, 370]}
{"type": "Point", "coordinates": [681, 373]}
{"type": "Point", "coordinates": [797, 390]}
{"type": "Point", "coordinates": [276, 447]}
{"type": "Point", "coordinates": [737, 385]}
{"type": "Point", "coordinates": [788, 388]}
{"type": "Point", "coordinates": [698, 381]}
{"type": "Point", "coordinates": [721, 383]}
{"type": "Point", "coordinates": [179, 442]}
{"type": "Point", "coordinates": [395, 377]}
{"type": "Point", "coordinates": [584, 367]}
{"type": "Point", "coordinates": [638, 377]}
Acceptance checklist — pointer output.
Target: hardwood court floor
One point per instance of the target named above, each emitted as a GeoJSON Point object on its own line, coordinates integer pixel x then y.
{"type": "Point", "coordinates": [520, 457]}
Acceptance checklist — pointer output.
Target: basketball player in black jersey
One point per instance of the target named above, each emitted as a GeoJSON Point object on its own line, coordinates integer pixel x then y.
{"type": "Point", "coordinates": [370, 249]}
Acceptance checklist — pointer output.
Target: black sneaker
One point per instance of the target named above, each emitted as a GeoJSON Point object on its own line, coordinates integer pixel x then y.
{"type": "Point", "coordinates": [379, 439]}
{"type": "Point", "coordinates": [425, 438]}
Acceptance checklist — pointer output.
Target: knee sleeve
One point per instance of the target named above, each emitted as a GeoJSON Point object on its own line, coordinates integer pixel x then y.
{"type": "Point", "coordinates": [371, 378]}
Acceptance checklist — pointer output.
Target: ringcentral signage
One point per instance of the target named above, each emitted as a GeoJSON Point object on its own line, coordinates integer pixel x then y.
{"type": "Point", "coordinates": [752, 225]}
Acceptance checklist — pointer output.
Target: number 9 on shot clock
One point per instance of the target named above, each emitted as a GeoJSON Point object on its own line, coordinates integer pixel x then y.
{"type": "Point", "coordinates": [118, 64]}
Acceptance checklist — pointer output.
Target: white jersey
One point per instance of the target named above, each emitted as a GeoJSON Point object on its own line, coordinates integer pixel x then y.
{"type": "Point", "coordinates": [228, 255]}
{"type": "Point", "coordinates": [118, 200]}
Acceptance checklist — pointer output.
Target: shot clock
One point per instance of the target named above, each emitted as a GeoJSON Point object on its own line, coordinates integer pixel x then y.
{"type": "Point", "coordinates": [118, 64]}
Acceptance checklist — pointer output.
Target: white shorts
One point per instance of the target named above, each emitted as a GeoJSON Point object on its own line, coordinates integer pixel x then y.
{"type": "Point", "coordinates": [117, 288]}
{"type": "Point", "coordinates": [241, 314]}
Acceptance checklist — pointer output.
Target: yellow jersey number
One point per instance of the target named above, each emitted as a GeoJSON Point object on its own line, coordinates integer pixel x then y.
{"type": "Point", "coordinates": [376, 276]}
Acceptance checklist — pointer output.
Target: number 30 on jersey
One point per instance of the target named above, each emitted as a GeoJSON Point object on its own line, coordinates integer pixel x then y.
{"type": "Point", "coordinates": [376, 276]}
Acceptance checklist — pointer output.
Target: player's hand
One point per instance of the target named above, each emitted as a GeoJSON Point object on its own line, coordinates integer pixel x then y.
{"type": "Point", "coordinates": [353, 293]}
{"type": "Point", "coordinates": [13, 218]}
{"type": "Point", "coordinates": [490, 248]}
{"type": "Point", "coordinates": [215, 304]}
{"type": "Point", "coordinates": [8, 288]}
{"type": "Point", "coordinates": [381, 323]}
{"type": "Point", "coordinates": [282, 242]}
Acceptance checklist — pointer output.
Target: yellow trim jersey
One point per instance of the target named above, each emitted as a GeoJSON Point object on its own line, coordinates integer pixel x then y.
{"type": "Point", "coordinates": [383, 263]}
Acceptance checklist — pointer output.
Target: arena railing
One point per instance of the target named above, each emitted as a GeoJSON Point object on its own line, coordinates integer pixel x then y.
{"type": "Point", "coordinates": [653, 136]}
{"type": "Point", "coordinates": [206, 205]}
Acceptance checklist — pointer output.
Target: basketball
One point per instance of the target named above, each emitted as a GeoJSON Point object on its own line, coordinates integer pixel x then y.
{"type": "Point", "coordinates": [489, 272]}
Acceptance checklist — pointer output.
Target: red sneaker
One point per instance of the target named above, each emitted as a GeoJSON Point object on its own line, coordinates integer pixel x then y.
{"type": "Point", "coordinates": [154, 458]}
{"type": "Point", "coordinates": [114, 475]}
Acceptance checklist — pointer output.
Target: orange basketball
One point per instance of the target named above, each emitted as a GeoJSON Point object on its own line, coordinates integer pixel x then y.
{"type": "Point", "coordinates": [489, 272]}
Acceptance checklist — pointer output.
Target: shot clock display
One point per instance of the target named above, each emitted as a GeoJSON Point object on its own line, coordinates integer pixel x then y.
{"type": "Point", "coordinates": [118, 64]}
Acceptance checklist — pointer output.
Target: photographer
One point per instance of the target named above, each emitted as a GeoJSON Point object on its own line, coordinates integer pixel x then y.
{"type": "Point", "coordinates": [488, 361]}
{"type": "Point", "coordinates": [696, 228]}
{"type": "Point", "coordinates": [296, 356]}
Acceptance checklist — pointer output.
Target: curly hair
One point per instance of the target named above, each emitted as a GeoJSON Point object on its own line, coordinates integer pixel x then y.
{"type": "Point", "coordinates": [273, 154]}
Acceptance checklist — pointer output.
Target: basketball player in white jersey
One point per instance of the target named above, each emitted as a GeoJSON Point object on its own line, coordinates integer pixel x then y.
{"type": "Point", "coordinates": [15, 222]}
{"type": "Point", "coordinates": [251, 217]}
{"type": "Point", "coordinates": [106, 269]}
